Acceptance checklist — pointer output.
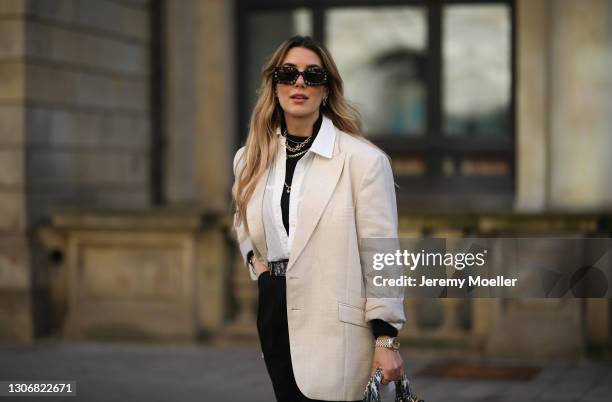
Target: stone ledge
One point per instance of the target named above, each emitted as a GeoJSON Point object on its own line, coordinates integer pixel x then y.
{"type": "Point", "coordinates": [506, 222]}
{"type": "Point", "coordinates": [154, 218]}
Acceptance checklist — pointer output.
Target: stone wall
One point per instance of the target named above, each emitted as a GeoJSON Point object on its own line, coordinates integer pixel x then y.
{"type": "Point", "coordinates": [87, 72]}
{"type": "Point", "coordinates": [74, 124]}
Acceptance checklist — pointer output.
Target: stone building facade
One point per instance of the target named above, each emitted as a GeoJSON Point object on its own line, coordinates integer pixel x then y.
{"type": "Point", "coordinates": [118, 124]}
{"type": "Point", "coordinates": [75, 124]}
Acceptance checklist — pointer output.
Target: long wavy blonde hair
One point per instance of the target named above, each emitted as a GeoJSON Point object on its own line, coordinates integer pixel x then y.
{"type": "Point", "coordinates": [261, 143]}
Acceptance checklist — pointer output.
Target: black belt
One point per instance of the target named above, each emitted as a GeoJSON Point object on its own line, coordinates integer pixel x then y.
{"type": "Point", "coordinates": [278, 268]}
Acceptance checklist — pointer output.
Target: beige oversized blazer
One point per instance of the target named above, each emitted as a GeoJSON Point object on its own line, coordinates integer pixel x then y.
{"type": "Point", "coordinates": [348, 196]}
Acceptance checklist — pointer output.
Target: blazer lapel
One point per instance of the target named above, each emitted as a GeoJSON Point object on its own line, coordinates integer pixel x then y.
{"type": "Point", "coordinates": [318, 188]}
{"type": "Point", "coordinates": [255, 216]}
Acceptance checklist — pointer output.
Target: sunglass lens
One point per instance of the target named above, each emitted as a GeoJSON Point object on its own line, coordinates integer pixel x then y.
{"type": "Point", "coordinates": [286, 75]}
{"type": "Point", "coordinates": [289, 75]}
{"type": "Point", "coordinates": [315, 77]}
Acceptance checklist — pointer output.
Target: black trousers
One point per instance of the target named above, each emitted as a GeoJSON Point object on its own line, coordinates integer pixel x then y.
{"type": "Point", "coordinates": [274, 338]}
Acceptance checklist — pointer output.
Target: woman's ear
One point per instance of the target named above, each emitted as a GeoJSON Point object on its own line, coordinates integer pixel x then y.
{"type": "Point", "coordinates": [326, 97]}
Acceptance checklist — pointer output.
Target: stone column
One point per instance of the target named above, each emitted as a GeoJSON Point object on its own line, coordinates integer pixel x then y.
{"type": "Point", "coordinates": [581, 105]}
{"type": "Point", "coordinates": [533, 36]}
{"type": "Point", "coordinates": [201, 118]}
{"type": "Point", "coordinates": [564, 96]}
{"type": "Point", "coordinates": [200, 139]}
{"type": "Point", "coordinates": [15, 316]}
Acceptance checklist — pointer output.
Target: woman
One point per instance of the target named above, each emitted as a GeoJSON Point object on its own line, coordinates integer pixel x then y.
{"type": "Point", "coordinates": [307, 187]}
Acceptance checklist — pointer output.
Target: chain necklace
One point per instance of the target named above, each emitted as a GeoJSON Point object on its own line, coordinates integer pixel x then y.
{"type": "Point", "coordinates": [297, 149]}
{"type": "Point", "coordinates": [299, 145]}
{"type": "Point", "coordinates": [298, 154]}
{"type": "Point", "coordinates": [293, 141]}
{"type": "Point", "coordinates": [288, 188]}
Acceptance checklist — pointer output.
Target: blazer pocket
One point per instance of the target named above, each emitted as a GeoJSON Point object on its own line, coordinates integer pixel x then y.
{"type": "Point", "coordinates": [352, 315]}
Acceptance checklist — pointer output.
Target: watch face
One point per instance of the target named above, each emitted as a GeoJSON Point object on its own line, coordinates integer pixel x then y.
{"type": "Point", "coordinates": [396, 343]}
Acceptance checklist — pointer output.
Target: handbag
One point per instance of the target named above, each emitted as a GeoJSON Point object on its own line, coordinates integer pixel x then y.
{"type": "Point", "coordinates": [403, 392]}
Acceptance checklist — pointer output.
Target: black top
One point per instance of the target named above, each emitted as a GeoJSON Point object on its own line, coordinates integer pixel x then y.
{"type": "Point", "coordinates": [379, 327]}
{"type": "Point", "coordinates": [290, 163]}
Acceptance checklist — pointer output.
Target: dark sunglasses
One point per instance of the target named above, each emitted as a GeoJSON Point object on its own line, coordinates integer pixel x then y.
{"type": "Point", "coordinates": [313, 76]}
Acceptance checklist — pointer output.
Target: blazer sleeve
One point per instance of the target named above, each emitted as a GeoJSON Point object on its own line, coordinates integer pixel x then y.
{"type": "Point", "coordinates": [376, 217]}
{"type": "Point", "coordinates": [244, 241]}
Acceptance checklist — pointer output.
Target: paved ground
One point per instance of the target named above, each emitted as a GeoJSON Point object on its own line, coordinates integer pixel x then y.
{"type": "Point", "coordinates": [136, 372]}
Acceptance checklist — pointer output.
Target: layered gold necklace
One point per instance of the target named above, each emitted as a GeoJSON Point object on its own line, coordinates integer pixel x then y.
{"type": "Point", "coordinates": [298, 147]}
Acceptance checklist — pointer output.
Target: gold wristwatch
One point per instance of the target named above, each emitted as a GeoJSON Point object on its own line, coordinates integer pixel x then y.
{"type": "Point", "coordinates": [387, 342]}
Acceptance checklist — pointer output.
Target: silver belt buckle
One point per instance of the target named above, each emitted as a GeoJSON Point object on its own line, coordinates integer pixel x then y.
{"type": "Point", "coordinates": [278, 268]}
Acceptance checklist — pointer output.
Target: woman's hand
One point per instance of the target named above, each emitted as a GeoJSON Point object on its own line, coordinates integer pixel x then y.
{"type": "Point", "coordinates": [259, 266]}
{"type": "Point", "coordinates": [390, 362]}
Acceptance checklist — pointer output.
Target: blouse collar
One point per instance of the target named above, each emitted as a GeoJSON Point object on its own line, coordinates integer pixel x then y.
{"type": "Point", "coordinates": [324, 141]}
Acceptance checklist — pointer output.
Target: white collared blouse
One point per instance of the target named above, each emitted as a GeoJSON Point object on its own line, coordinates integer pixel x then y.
{"type": "Point", "coordinates": [277, 240]}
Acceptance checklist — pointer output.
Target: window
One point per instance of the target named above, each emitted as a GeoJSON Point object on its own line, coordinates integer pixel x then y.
{"type": "Point", "coordinates": [476, 74]}
{"type": "Point", "coordinates": [433, 81]}
{"type": "Point", "coordinates": [381, 53]}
